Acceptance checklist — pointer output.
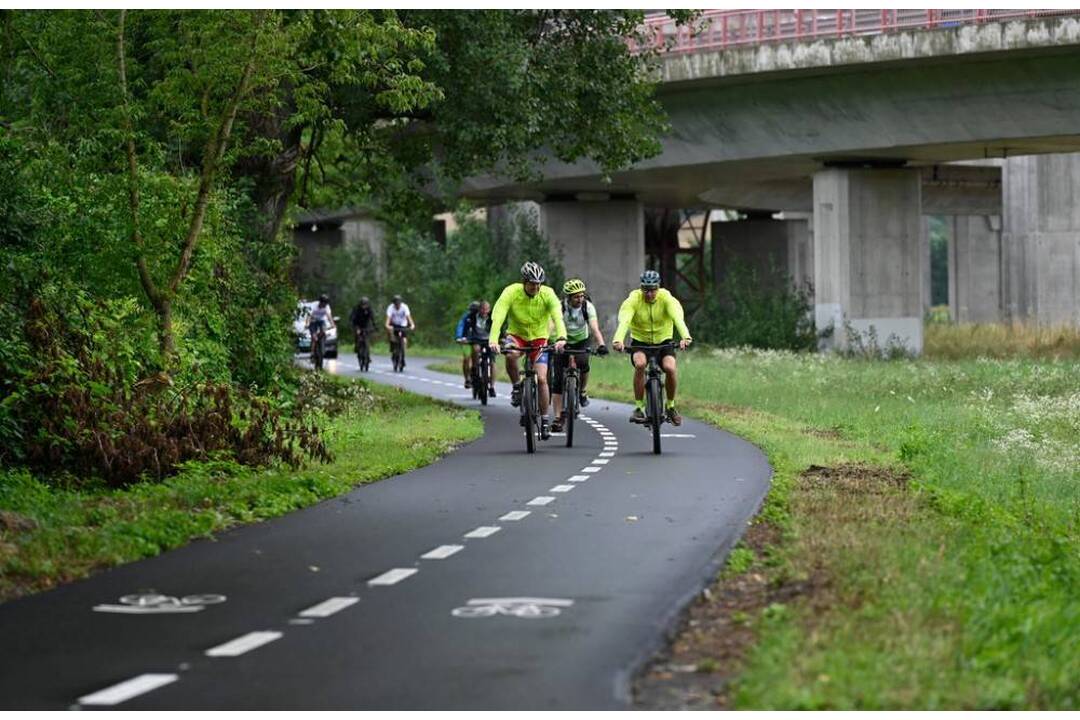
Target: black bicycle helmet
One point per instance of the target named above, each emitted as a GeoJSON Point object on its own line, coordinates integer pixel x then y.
{"type": "Point", "coordinates": [323, 299]}
{"type": "Point", "coordinates": [474, 306]}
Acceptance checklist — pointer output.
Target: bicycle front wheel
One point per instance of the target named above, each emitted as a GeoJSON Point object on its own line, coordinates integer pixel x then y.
{"type": "Point", "coordinates": [485, 378]}
{"type": "Point", "coordinates": [529, 409]}
{"type": "Point", "coordinates": [655, 403]}
{"type": "Point", "coordinates": [570, 398]}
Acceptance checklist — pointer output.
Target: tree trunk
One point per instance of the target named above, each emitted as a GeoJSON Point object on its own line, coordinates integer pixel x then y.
{"type": "Point", "coordinates": [273, 178]}
{"type": "Point", "coordinates": [166, 343]}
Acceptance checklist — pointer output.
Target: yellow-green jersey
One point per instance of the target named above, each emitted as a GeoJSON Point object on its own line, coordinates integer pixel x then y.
{"type": "Point", "coordinates": [651, 323]}
{"type": "Point", "coordinates": [528, 316]}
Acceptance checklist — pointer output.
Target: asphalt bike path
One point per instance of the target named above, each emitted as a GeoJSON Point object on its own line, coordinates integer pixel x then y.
{"type": "Point", "coordinates": [491, 579]}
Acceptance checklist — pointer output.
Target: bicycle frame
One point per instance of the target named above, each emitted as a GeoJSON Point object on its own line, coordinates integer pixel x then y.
{"type": "Point", "coordinates": [530, 394]}
{"type": "Point", "coordinates": [654, 389]}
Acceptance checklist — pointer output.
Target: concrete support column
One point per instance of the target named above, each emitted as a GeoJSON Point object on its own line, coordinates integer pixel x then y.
{"type": "Point", "coordinates": [867, 249]}
{"type": "Point", "coordinates": [975, 269]}
{"type": "Point", "coordinates": [1041, 239]}
{"type": "Point", "coordinates": [770, 247]}
{"type": "Point", "coordinates": [603, 243]}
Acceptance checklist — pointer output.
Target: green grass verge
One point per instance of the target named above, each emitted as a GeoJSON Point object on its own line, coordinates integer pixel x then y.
{"type": "Point", "coordinates": [79, 532]}
{"type": "Point", "coordinates": [956, 590]}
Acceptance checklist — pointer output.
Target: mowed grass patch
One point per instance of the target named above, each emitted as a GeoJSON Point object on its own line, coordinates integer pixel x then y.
{"type": "Point", "coordinates": [49, 535]}
{"type": "Point", "coordinates": [953, 587]}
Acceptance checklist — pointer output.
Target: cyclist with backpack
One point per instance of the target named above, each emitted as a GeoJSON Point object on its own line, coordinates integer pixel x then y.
{"type": "Point", "coordinates": [579, 316]}
{"type": "Point", "coordinates": [473, 330]}
{"type": "Point", "coordinates": [651, 314]}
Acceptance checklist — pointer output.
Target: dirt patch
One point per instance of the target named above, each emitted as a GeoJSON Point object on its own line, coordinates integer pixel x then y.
{"type": "Point", "coordinates": [854, 478]}
{"type": "Point", "coordinates": [706, 654]}
{"type": "Point", "coordinates": [13, 522]}
{"type": "Point", "coordinates": [695, 671]}
{"type": "Point", "coordinates": [825, 433]}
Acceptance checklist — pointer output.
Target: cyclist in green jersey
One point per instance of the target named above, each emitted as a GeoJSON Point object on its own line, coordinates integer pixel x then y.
{"type": "Point", "coordinates": [651, 314]}
{"type": "Point", "coordinates": [579, 315]}
{"type": "Point", "coordinates": [527, 307]}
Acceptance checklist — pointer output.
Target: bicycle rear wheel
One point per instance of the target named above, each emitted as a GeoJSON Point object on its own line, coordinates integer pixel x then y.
{"type": "Point", "coordinates": [570, 402]}
{"type": "Point", "coordinates": [319, 352]}
{"type": "Point", "coordinates": [529, 409]}
{"type": "Point", "coordinates": [655, 404]}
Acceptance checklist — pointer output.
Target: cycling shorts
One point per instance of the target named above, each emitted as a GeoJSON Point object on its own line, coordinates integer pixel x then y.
{"type": "Point", "coordinates": [562, 361]}
{"type": "Point", "coordinates": [538, 358]}
{"type": "Point", "coordinates": [649, 349]}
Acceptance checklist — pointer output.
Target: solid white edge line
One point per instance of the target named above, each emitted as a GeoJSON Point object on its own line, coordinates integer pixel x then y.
{"type": "Point", "coordinates": [328, 607]}
{"type": "Point", "coordinates": [483, 531]}
{"type": "Point", "coordinates": [244, 643]}
{"type": "Point", "coordinates": [392, 577]}
{"type": "Point", "coordinates": [541, 500]}
{"type": "Point", "coordinates": [138, 685]}
{"type": "Point", "coordinates": [516, 515]}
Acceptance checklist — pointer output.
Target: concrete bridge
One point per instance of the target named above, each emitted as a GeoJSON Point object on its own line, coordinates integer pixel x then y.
{"type": "Point", "coordinates": [856, 125]}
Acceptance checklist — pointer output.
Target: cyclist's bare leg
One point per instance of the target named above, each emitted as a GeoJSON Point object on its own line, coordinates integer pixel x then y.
{"type": "Point", "coordinates": [512, 367]}
{"type": "Point", "coordinates": [671, 381]}
{"type": "Point", "coordinates": [542, 386]}
{"type": "Point", "coordinates": [556, 400]}
{"type": "Point", "coordinates": [466, 365]}
{"type": "Point", "coordinates": [639, 375]}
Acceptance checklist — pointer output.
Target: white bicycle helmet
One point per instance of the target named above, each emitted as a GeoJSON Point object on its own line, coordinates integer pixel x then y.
{"type": "Point", "coordinates": [532, 272]}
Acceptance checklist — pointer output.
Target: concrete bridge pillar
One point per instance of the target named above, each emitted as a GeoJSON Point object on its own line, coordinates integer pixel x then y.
{"type": "Point", "coordinates": [770, 247]}
{"type": "Point", "coordinates": [867, 257]}
{"type": "Point", "coordinates": [975, 269]}
{"type": "Point", "coordinates": [603, 243]}
{"type": "Point", "coordinates": [1041, 239]}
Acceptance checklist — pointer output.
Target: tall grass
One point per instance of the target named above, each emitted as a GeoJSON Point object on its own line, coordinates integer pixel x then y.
{"type": "Point", "coordinates": [967, 340]}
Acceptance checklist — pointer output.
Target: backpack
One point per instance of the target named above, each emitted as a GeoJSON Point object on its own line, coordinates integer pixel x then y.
{"type": "Point", "coordinates": [584, 308]}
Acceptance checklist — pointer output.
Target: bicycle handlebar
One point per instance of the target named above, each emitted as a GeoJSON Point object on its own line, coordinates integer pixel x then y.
{"type": "Point", "coordinates": [662, 346]}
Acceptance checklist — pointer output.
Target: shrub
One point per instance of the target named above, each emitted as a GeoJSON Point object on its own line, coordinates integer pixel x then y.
{"type": "Point", "coordinates": [81, 397]}
{"type": "Point", "coordinates": [742, 311]}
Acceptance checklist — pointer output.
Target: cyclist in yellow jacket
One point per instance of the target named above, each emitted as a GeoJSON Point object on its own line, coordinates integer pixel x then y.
{"type": "Point", "coordinates": [528, 307]}
{"type": "Point", "coordinates": [651, 314]}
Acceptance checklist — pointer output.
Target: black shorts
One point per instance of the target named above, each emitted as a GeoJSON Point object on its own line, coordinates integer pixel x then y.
{"type": "Point", "coordinates": [562, 360]}
{"type": "Point", "coordinates": [648, 349]}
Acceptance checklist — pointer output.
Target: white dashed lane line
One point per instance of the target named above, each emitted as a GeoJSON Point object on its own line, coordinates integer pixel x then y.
{"type": "Point", "coordinates": [244, 643]}
{"type": "Point", "coordinates": [483, 531]}
{"type": "Point", "coordinates": [138, 685]}
{"type": "Point", "coordinates": [561, 488]}
{"type": "Point", "coordinates": [541, 500]}
{"type": "Point", "coordinates": [392, 577]}
{"type": "Point", "coordinates": [329, 607]}
{"type": "Point", "coordinates": [442, 552]}
{"type": "Point", "coordinates": [577, 478]}
{"type": "Point", "coordinates": [516, 515]}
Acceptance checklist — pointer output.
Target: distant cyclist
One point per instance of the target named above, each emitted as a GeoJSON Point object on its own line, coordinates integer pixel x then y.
{"type": "Point", "coordinates": [473, 330]}
{"type": "Point", "coordinates": [651, 314]}
{"type": "Point", "coordinates": [579, 315]}
{"type": "Point", "coordinates": [322, 317]}
{"type": "Point", "coordinates": [528, 307]}
{"type": "Point", "coordinates": [362, 317]}
{"type": "Point", "coordinates": [398, 317]}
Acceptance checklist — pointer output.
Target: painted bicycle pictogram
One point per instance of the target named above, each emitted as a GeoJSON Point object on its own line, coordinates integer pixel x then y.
{"type": "Point", "coordinates": [522, 607]}
{"type": "Point", "coordinates": [151, 603]}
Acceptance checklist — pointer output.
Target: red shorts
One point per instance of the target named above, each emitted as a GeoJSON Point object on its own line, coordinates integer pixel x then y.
{"type": "Point", "coordinates": [537, 343]}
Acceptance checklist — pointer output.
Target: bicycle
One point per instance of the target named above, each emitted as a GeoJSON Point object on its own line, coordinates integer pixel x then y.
{"type": "Point", "coordinates": [363, 352]}
{"type": "Point", "coordinates": [481, 373]}
{"type": "Point", "coordinates": [530, 395]}
{"type": "Point", "coordinates": [571, 396]}
{"type": "Point", "coordinates": [397, 349]}
{"type": "Point", "coordinates": [654, 389]}
{"type": "Point", "coordinates": [318, 344]}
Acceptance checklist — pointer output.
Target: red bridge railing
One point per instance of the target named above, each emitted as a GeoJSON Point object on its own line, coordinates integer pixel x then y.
{"type": "Point", "coordinates": [719, 29]}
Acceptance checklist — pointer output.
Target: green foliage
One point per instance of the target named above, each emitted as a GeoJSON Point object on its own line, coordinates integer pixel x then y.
{"type": "Point", "coordinates": [743, 311]}
{"type": "Point", "coordinates": [477, 263]}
